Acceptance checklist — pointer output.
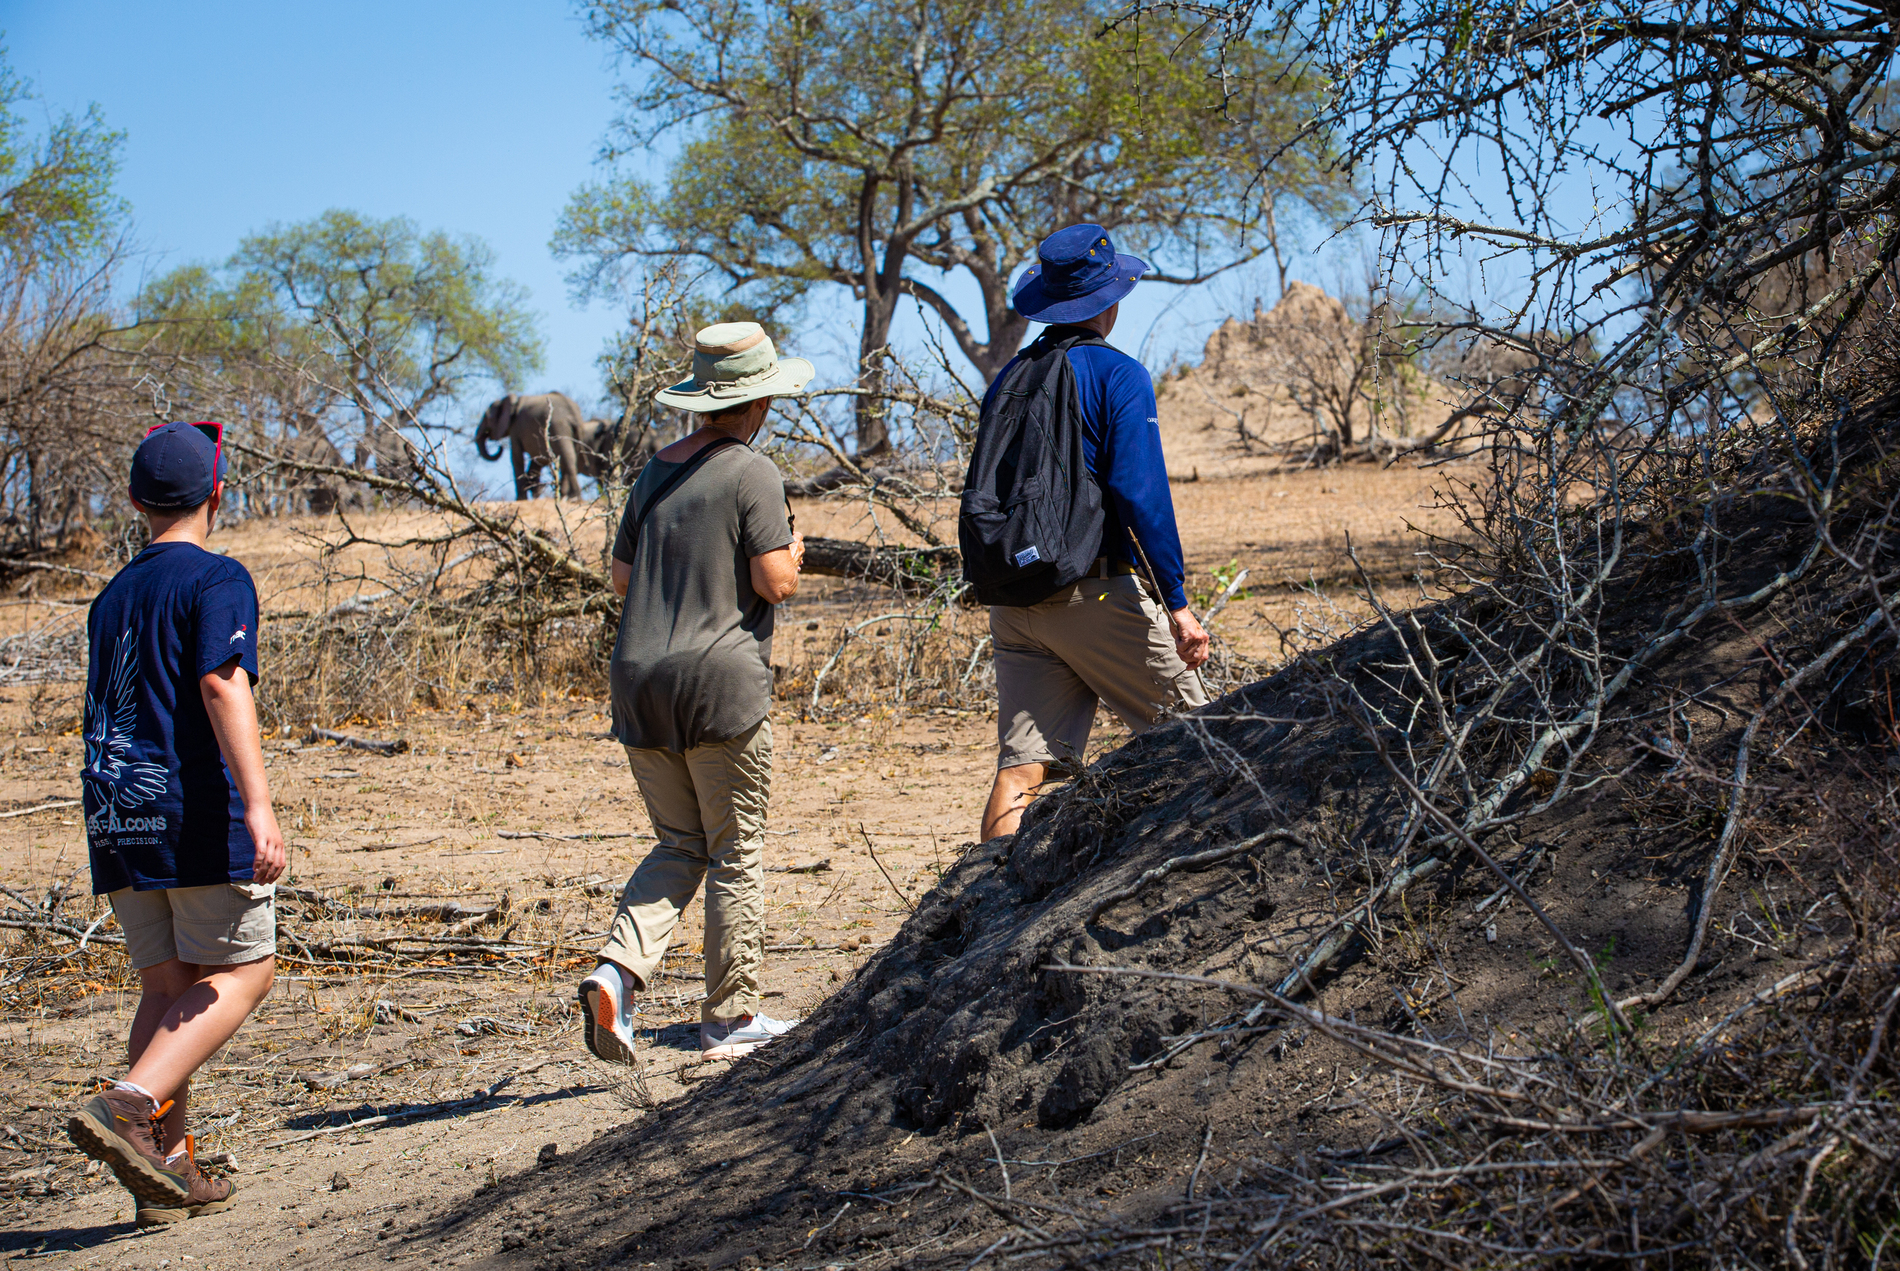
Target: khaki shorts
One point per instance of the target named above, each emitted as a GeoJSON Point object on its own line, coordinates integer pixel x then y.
{"type": "Point", "coordinates": [221, 925]}
{"type": "Point", "coordinates": [1100, 640]}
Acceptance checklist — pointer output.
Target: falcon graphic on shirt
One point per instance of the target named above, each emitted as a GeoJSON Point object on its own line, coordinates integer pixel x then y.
{"type": "Point", "coordinates": [111, 779]}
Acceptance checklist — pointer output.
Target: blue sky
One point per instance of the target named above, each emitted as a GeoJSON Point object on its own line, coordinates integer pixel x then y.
{"type": "Point", "coordinates": [474, 117]}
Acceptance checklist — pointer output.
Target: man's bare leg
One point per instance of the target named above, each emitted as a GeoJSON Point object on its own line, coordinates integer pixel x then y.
{"type": "Point", "coordinates": [1013, 790]}
{"type": "Point", "coordinates": [185, 1014]}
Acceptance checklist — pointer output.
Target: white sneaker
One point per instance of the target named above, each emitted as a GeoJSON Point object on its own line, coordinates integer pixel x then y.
{"type": "Point", "coordinates": [729, 1039]}
{"type": "Point", "coordinates": [607, 1013]}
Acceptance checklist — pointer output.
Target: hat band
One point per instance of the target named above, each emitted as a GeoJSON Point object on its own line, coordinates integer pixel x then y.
{"type": "Point", "coordinates": [724, 388]}
{"type": "Point", "coordinates": [1071, 281]}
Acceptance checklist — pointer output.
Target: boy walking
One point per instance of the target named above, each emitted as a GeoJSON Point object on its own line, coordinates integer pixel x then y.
{"type": "Point", "coordinates": [178, 817]}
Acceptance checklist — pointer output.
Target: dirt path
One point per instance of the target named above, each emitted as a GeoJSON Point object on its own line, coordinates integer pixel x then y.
{"type": "Point", "coordinates": [426, 825]}
{"type": "Point", "coordinates": [475, 1059]}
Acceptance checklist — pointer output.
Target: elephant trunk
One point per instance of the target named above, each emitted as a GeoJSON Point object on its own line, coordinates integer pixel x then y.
{"type": "Point", "coordinates": [481, 444]}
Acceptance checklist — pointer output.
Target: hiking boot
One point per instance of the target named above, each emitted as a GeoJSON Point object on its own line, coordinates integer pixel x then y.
{"type": "Point", "coordinates": [207, 1195]}
{"type": "Point", "coordinates": [607, 1014]}
{"type": "Point", "coordinates": [731, 1038]}
{"type": "Point", "coordinates": [116, 1127]}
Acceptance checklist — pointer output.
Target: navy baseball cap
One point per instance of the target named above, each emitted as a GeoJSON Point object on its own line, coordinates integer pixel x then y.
{"type": "Point", "coordinates": [177, 466]}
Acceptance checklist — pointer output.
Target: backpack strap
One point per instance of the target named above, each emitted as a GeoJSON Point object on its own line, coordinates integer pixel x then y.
{"type": "Point", "coordinates": [679, 475]}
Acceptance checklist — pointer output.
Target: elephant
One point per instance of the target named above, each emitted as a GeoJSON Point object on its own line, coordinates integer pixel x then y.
{"type": "Point", "coordinates": [539, 428]}
{"type": "Point", "coordinates": [595, 447]}
{"type": "Point", "coordinates": [291, 484]}
{"type": "Point", "coordinates": [597, 443]}
{"type": "Point", "coordinates": [320, 493]}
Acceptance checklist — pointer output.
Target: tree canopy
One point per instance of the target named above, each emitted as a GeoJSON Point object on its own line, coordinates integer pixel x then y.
{"type": "Point", "coordinates": [60, 384]}
{"type": "Point", "coordinates": [348, 318]}
{"type": "Point", "coordinates": [56, 198]}
{"type": "Point", "coordinates": [884, 147]}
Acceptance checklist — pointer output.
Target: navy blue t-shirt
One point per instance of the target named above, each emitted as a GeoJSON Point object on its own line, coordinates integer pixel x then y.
{"type": "Point", "coordinates": [161, 809]}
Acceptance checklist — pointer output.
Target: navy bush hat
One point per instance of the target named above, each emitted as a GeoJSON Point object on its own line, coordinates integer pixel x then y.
{"type": "Point", "coordinates": [1077, 275]}
{"type": "Point", "coordinates": [176, 466]}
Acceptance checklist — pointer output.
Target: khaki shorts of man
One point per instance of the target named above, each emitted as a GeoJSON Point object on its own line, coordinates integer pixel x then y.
{"type": "Point", "coordinates": [1101, 640]}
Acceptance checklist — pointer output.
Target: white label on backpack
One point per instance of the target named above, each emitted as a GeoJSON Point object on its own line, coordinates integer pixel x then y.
{"type": "Point", "coordinates": [1028, 556]}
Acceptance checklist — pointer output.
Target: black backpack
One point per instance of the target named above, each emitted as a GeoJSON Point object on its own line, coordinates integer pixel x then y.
{"type": "Point", "coordinates": [1031, 516]}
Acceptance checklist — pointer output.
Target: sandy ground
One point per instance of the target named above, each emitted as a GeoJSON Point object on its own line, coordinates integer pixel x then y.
{"type": "Point", "coordinates": [380, 832]}
{"type": "Point", "coordinates": [474, 1058]}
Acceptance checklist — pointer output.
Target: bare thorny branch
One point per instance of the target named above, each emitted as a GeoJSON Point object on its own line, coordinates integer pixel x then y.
{"type": "Point", "coordinates": [1689, 479]}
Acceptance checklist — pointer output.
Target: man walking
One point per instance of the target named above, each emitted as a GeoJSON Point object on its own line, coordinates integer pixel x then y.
{"type": "Point", "coordinates": [179, 823]}
{"type": "Point", "coordinates": [705, 551]}
{"type": "Point", "coordinates": [1100, 638]}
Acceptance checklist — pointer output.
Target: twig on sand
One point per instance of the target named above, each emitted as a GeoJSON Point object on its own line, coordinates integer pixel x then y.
{"type": "Point", "coordinates": [1220, 603]}
{"type": "Point", "coordinates": [394, 847]}
{"type": "Point", "coordinates": [396, 747]}
{"type": "Point", "coordinates": [52, 568]}
{"type": "Point", "coordinates": [901, 897]}
{"type": "Point", "coordinates": [58, 928]}
{"type": "Point", "coordinates": [39, 807]}
{"type": "Point", "coordinates": [819, 1231]}
{"type": "Point", "coordinates": [570, 838]}
{"type": "Point", "coordinates": [998, 1150]}
{"type": "Point", "coordinates": [1207, 1141]}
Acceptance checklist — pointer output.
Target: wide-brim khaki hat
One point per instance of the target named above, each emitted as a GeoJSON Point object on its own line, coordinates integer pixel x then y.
{"type": "Point", "coordinates": [735, 363]}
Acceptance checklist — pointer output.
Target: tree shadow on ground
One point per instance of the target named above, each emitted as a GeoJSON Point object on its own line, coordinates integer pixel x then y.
{"type": "Point", "coordinates": [680, 1037]}
{"type": "Point", "coordinates": [38, 1242]}
{"type": "Point", "coordinates": [421, 1113]}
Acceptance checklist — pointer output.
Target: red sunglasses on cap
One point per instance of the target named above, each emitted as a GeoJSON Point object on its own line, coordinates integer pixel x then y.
{"type": "Point", "coordinates": [215, 431]}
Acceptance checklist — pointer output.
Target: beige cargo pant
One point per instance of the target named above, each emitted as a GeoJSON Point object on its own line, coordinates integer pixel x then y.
{"type": "Point", "coordinates": [1101, 640]}
{"type": "Point", "coordinates": [708, 812]}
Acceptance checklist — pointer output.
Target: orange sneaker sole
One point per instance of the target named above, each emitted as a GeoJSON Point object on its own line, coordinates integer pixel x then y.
{"type": "Point", "coordinates": [600, 1015]}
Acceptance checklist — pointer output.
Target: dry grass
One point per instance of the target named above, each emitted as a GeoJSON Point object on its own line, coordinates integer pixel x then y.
{"type": "Point", "coordinates": [357, 630]}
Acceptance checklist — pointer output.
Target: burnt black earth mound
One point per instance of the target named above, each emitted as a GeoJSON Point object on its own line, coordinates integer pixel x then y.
{"type": "Point", "coordinates": [983, 1079]}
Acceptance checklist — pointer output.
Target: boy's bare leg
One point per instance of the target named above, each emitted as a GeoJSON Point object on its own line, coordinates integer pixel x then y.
{"type": "Point", "coordinates": [161, 986]}
{"type": "Point", "coordinates": [175, 1032]}
{"type": "Point", "coordinates": [1015, 787]}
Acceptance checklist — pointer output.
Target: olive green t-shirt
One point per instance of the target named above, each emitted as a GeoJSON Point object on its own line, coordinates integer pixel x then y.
{"type": "Point", "coordinates": [693, 663]}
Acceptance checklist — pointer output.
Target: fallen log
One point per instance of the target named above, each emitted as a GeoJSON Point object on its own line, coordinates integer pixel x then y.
{"type": "Point", "coordinates": [913, 478]}
{"type": "Point", "coordinates": [397, 747]}
{"type": "Point", "coordinates": [40, 807]}
{"type": "Point", "coordinates": [53, 567]}
{"type": "Point", "coordinates": [907, 569]}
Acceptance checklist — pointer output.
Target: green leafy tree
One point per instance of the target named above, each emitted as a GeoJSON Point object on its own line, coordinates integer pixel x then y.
{"type": "Point", "coordinates": [62, 386]}
{"type": "Point", "coordinates": [371, 326]}
{"type": "Point", "coordinates": [883, 148]}
{"type": "Point", "coordinates": [56, 198]}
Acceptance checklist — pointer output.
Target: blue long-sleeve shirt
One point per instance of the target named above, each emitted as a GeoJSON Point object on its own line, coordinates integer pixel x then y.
{"type": "Point", "coordinates": [1121, 443]}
